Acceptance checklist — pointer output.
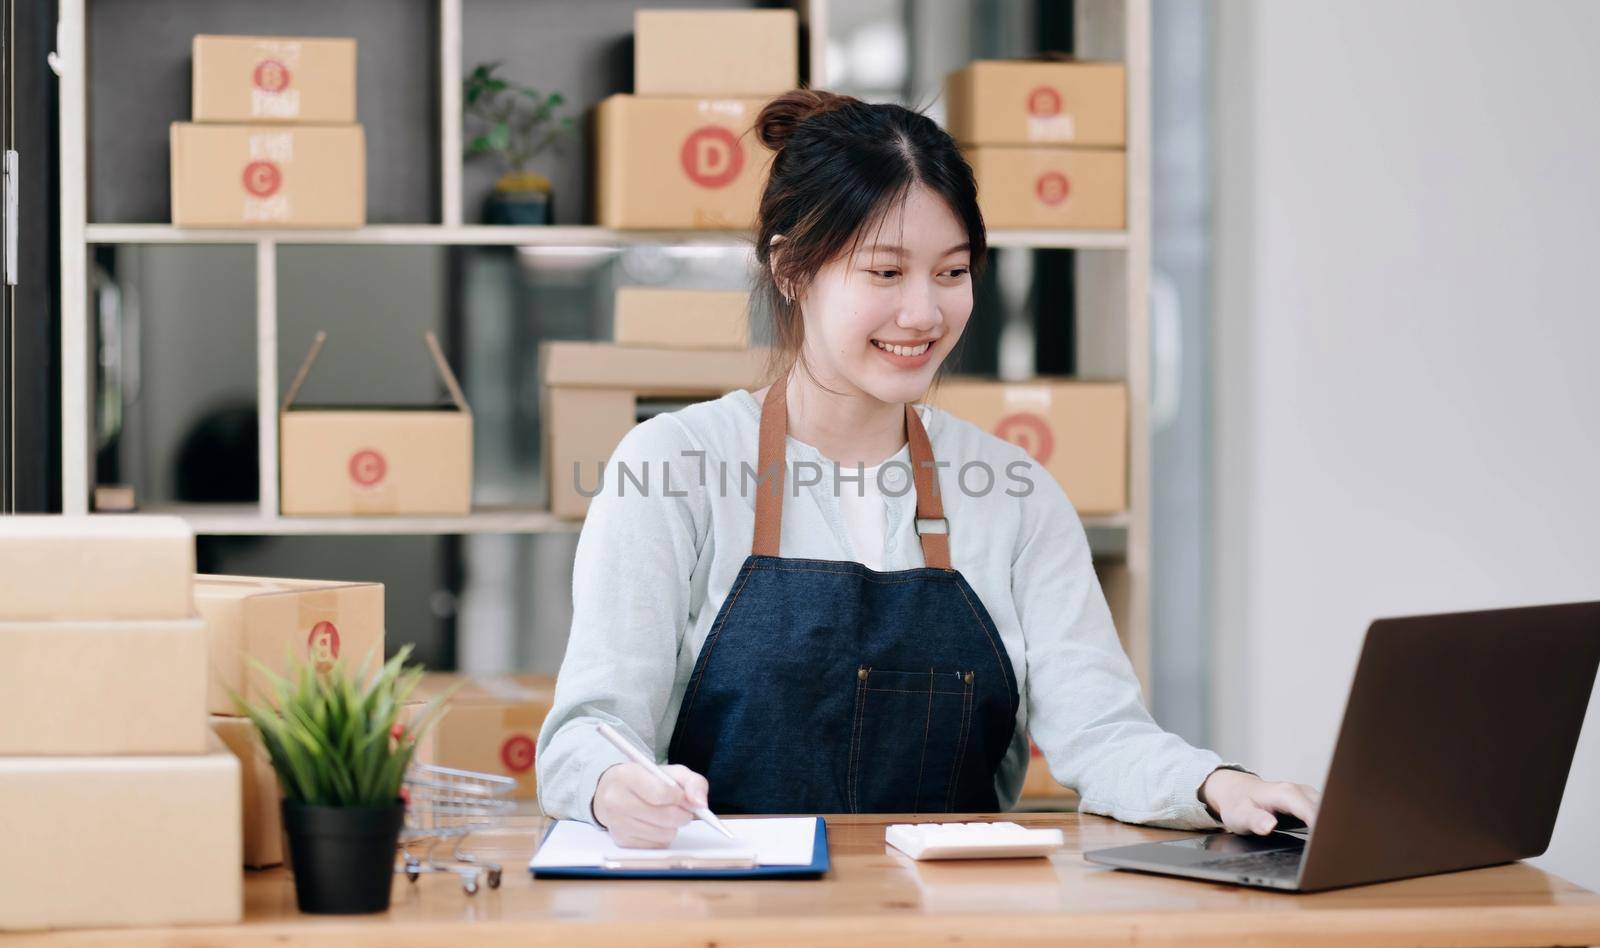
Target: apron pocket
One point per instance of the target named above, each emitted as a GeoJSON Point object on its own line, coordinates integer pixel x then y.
{"type": "Point", "coordinates": [908, 739]}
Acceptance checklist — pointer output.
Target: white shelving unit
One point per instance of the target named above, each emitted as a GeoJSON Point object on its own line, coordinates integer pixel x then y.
{"type": "Point", "coordinates": [1113, 281]}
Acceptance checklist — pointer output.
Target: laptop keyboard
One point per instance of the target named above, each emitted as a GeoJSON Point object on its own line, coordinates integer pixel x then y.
{"type": "Point", "coordinates": [1279, 863]}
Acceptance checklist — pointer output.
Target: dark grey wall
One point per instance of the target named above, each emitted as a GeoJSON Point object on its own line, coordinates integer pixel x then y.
{"type": "Point", "coordinates": [139, 83]}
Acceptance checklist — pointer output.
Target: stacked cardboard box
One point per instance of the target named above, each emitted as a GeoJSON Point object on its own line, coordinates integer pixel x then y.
{"type": "Point", "coordinates": [491, 724]}
{"type": "Point", "coordinates": [681, 152]}
{"type": "Point", "coordinates": [254, 621]}
{"type": "Point", "coordinates": [1045, 140]}
{"type": "Point", "coordinates": [274, 141]}
{"type": "Point", "coordinates": [375, 460]}
{"type": "Point", "coordinates": [592, 394]}
{"type": "Point", "coordinates": [1076, 431]}
{"type": "Point", "coordinates": [105, 759]}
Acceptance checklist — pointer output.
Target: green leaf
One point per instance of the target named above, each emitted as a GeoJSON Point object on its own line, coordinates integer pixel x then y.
{"type": "Point", "coordinates": [500, 135]}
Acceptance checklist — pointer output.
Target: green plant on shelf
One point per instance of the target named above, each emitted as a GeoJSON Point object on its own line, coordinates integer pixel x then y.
{"type": "Point", "coordinates": [335, 741]}
{"type": "Point", "coordinates": [516, 124]}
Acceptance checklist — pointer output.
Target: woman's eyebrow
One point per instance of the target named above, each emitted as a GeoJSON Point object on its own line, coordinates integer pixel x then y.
{"type": "Point", "coordinates": [892, 248]}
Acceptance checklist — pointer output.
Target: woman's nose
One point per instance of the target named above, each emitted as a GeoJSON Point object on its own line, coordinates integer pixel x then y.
{"type": "Point", "coordinates": [920, 310]}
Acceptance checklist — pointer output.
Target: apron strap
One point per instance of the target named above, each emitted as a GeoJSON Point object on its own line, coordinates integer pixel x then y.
{"type": "Point", "coordinates": [932, 527]}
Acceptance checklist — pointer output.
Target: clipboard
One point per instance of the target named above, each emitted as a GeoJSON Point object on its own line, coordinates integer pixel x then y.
{"type": "Point", "coordinates": [688, 867]}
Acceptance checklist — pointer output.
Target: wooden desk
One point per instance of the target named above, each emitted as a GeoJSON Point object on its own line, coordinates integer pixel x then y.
{"type": "Point", "coordinates": [876, 897]}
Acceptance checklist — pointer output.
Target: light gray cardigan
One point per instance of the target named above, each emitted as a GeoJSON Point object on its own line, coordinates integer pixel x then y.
{"type": "Point", "coordinates": [652, 569]}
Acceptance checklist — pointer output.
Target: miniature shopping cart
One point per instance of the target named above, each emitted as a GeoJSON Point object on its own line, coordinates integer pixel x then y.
{"type": "Point", "coordinates": [444, 807]}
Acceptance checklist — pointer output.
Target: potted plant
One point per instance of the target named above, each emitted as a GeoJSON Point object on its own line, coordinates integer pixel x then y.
{"type": "Point", "coordinates": [515, 123]}
{"type": "Point", "coordinates": [341, 753]}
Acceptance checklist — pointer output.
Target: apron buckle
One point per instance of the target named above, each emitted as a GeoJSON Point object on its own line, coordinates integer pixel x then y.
{"type": "Point", "coordinates": [933, 525]}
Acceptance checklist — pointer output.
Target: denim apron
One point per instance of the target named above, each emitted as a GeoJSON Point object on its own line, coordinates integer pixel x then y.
{"type": "Point", "coordinates": [824, 686]}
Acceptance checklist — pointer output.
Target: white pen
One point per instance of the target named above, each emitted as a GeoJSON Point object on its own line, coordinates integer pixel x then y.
{"type": "Point", "coordinates": [640, 757]}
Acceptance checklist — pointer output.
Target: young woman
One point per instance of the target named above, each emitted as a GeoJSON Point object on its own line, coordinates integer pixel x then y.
{"type": "Point", "coordinates": [820, 597]}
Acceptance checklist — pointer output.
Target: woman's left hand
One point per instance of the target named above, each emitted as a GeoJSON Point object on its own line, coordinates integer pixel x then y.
{"type": "Point", "coordinates": [1248, 804]}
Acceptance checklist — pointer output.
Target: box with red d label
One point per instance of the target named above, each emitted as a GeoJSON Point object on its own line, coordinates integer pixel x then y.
{"type": "Point", "coordinates": [678, 162]}
{"type": "Point", "coordinates": [491, 724]}
{"type": "Point", "coordinates": [1072, 188]}
{"type": "Point", "coordinates": [1078, 431]}
{"type": "Point", "coordinates": [311, 80]}
{"type": "Point", "coordinates": [268, 176]}
{"type": "Point", "coordinates": [276, 620]}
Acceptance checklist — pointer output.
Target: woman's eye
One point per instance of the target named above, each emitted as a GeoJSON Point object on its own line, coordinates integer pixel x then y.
{"type": "Point", "coordinates": [958, 272]}
{"type": "Point", "coordinates": [886, 274]}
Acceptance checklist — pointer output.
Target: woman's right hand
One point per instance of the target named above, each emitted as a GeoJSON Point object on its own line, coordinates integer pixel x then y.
{"type": "Point", "coordinates": [641, 811]}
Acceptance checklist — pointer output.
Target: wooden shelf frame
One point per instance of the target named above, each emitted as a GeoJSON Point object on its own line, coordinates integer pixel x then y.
{"type": "Point", "coordinates": [1114, 278]}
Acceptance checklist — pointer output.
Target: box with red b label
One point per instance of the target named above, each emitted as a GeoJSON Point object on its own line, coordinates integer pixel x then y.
{"type": "Point", "coordinates": [311, 80]}
{"type": "Point", "coordinates": [678, 163]}
{"type": "Point", "coordinates": [274, 621]}
{"type": "Point", "coordinates": [1077, 431]}
{"type": "Point", "coordinates": [375, 460]}
{"type": "Point", "coordinates": [1033, 102]}
{"type": "Point", "coordinates": [491, 724]}
{"type": "Point", "coordinates": [268, 175]}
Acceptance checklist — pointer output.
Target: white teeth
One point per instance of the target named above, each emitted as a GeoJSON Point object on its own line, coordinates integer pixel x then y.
{"type": "Point", "coordinates": [903, 350]}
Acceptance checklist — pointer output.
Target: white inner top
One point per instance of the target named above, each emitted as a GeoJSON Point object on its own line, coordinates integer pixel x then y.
{"type": "Point", "coordinates": [866, 515]}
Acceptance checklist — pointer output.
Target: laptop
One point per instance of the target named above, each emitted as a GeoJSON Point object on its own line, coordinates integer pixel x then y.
{"type": "Point", "coordinates": [1454, 752]}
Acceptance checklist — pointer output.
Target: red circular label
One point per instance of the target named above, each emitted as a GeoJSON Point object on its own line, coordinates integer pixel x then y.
{"type": "Point", "coordinates": [322, 645]}
{"type": "Point", "coordinates": [271, 76]}
{"type": "Point", "coordinates": [1044, 102]}
{"type": "Point", "coordinates": [1052, 187]}
{"type": "Point", "coordinates": [367, 467]}
{"type": "Point", "coordinates": [517, 753]}
{"type": "Point", "coordinates": [262, 178]}
{"type": "Point", "coordinates": [1028, 432]}
{"type": "Point", "coordinates": [711, 157]}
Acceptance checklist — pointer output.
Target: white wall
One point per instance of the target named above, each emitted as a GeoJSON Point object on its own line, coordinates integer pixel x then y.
{"type": "Point", "coordinates": [1407, 347]}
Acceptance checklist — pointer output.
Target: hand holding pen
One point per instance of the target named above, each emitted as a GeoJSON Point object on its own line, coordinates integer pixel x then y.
{"type": "Point", "coordinates": [643, 804]}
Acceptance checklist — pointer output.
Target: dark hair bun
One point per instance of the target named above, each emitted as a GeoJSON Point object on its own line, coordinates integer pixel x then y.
{"type": "Point", "coordinates": [780, 117]}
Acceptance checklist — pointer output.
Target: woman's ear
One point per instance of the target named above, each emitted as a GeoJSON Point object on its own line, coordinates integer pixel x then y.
{"type": "Point", "coordinates": [774, 251]}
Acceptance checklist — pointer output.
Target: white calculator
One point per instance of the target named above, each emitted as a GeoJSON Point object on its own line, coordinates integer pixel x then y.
{"type": "Point", "coordinates": [972, 840]}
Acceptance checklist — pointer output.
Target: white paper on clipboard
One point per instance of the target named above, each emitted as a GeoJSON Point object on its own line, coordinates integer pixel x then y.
{"type": "Point", "coordinates": [775, 841]}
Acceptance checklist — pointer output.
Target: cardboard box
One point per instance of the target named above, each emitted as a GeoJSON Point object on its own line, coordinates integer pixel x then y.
{"type": "Point", "coordinates": [95, 567]}
{"type": "Point", "coordinates": [99, 842]}
{"type": "Point", "coordinates": [270, 620]}
{"type": "Point", "coordinates": [1077, 430]}
{"type": "Point", "coordinates": [715, 52]}
{"type": "Point", "coordinates": [591, 399]}
{"type": "Point", "coordinates": [377, 460]}
{"type": "Point", "coordinates": [678, 163]}
{"type": "Point", "coordinates": [1033, 102]}
{"type": "Point", "coordinates": [103, 687]}
{"type": "Point", "coordinates": [1050, 187]}
{"type": "Point", "coordinates": [492, 724]}
{"type": "Point", "coordinates": [261, 818]}
{"type": "Point", "coordinates": [682, 319]}
{"type": "Point", "coordinates": [311, 80]}
{"type": "Point", "coordinates": [268, 176]}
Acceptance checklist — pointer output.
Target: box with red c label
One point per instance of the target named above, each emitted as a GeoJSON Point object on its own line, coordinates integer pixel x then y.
{"type": "Point", "coordinates": [273, 620]}
{"type": "Point", "coordinates": [680, 163]}
{"type": "Point", "coordinates": [311, 80]}
{"type": "Point", "coordinates": [491, 724]}
{"type": "Point", "coordinates": [268, 175]}
{"type": "Point", "coordinates": [1070, 188]}
{"type": "Point", "coordinates": [1038, 102]}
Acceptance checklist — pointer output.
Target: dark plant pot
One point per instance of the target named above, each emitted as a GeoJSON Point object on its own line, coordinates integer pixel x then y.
{"type": "Point", "coordinates": [517, 207]}
{"type": "Point", "coordinates": [343, 856]}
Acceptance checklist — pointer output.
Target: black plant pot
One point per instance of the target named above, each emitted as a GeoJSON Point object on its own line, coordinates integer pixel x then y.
{"type": "Point", "coordinates": [518, 207]}
{"type": "Point", "coordinates": [343, 856]}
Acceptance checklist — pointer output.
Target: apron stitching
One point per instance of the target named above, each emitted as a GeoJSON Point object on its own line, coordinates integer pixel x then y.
{"type": "Point", "coordinates": [855, 742]}
{"type": "Point", "coordinates": [916, 691]}
{"type": "Point", "coordinates": [852, 567]}
{"type": "Point", "coordinates": [716, 634]}
{"type": "Point", "coordinates": [961, 754]}
{"type": "Point", "coordinates": [927, 726]}
{"type": "Point", "coordinates": [987, 637]}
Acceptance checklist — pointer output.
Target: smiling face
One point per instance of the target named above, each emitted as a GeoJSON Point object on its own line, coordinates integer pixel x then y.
{"type": "Point", "coordinates": [880, 321]}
